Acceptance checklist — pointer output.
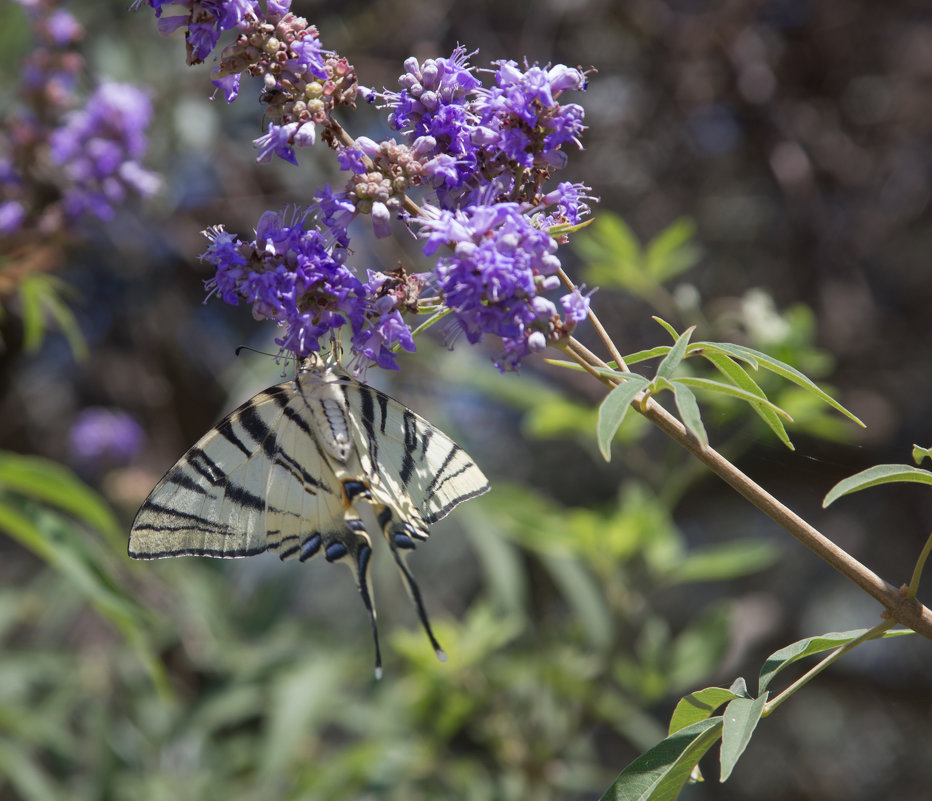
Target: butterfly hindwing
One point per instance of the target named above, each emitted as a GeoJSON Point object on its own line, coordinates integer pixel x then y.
{"type": "Point", "coordinates": [415, 460]}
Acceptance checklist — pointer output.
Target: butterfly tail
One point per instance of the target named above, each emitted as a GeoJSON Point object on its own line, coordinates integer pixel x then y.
{"type": "Point", "coordinates": [401, 536]}
{"type": "Point", "coordinates": [355, 550]}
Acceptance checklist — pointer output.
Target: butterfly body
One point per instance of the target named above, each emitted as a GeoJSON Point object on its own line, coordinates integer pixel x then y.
{"type": "Point", "coordinates": [286, 471]}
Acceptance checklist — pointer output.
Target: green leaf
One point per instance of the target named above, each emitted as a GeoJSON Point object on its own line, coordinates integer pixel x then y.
{"type": "Point", "coordinates": [613, 254]}
{"type": "Point", "coordinates": [740, 378]}
{"type": "Point", "coordinates": [583, 596]}
{"type": "Point", "coordinates": [61, 313]}
{"type": "Point", "coordinates": [666, 326]}
{"type": "Point", "coordinates": [689, 411]}
{"type": "Point", "coordinates": [29, 781]}
{"type": "Point", "coordinates": [920, 453]}
{"type": "Point", "coordinates": [723, 562]}
{"type": "Point", "coordinates": [660, 773]}
{"type": "Point", "coordinates": [873, 476]}
{"type": "Point", "coordinates": [672, 360]}
{"type": "Point", "coordinates": [735, 392]}
{"type": "Point", "coordinates": [613, 409]}
{"type": "Point", "coordinates": [789, 373]}
{"type": "Point", "coordinates": [740, 720]}
{"type": "Point", "coordinates": [41, 297]}
{"type": "Point", "coordinates": [726, 348]}
{"type": "Point", "coordinates": [644, 355]}
{"type": "Point", "coordinates": [54, 539]}
{"type": "Point", "coordinates": [813, 645]}
{"type": "Point", "coordinates": [49, 482]}
{"type": "Point", "coordinates": [699, 705]}
{"type": "Point", "coordinates": [30, 305]}
{"type": "Point", "coordinates": [698, 650]}
{"type": "Point", "coordinates": [672, 252]}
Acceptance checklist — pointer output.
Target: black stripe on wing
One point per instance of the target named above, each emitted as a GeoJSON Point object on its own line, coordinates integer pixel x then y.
{"type": "Point", "coordinates": [416, 438]}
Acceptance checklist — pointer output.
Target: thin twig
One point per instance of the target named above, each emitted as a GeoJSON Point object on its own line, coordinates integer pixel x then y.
{"type": "Point", "coordinates": [599, 328]}
{"type": "Point", "coordinates": [771, 706]}
{"type": "Point", "coordinates": [898, 605]}
{"type": "Point", "coordinates": [917, 570]}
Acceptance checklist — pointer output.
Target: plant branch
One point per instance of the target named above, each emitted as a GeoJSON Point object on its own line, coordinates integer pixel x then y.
{"type": "Point", "coordinates": [834, 656]}
{"type": "Point", "coordinates": [917, 570]}
{"type": "Point", "coordinates": [897, 604]}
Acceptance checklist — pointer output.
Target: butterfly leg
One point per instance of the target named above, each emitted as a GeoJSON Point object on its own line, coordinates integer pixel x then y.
{"type": "Point", "coordinates": [401, 536]}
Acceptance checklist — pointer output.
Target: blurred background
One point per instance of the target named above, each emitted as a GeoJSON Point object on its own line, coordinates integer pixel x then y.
{"type": "Point", "coordinates": [764, 173]}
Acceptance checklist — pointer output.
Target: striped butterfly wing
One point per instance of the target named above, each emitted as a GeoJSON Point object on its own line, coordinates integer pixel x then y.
{"type": "Point", "coordinates": [246, 486]}
{"type": "Point", "coordinates": [286, 470]}
{"type": "Point", "coordinates": [417, 475]}
{"type": "Point", "coordinates": [415, 460]}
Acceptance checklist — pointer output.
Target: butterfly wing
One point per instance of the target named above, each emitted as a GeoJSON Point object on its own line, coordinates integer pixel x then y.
{"type": "Point", "coordinates": [284, 471]}
{"type": "Point", "coordinates": [256, 482]}
{"type": "Point", "coordinates": [417, 475]}
{"type": "Point", "coordinates": [415, 461]}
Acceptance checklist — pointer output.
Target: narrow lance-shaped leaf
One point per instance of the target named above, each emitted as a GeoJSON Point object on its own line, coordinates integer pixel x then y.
{"type": "Point", "coordinates": [689, 411]}
{"type": "Point", "coordinates": [672, 251]}
{"type": "Point", "coordinates": [791, 374]}
{"type": "Point", "coordinates": [785, 657]}
{"type": "Point", "coordinates": [740, 378]}
{"type": "Point", "coordinates": [873, 476]}
{"type": "Point", "coordinates": [728, 389]}
{"type": "Point", "coordinates": [660, 773]}
{"type": "Point", "coordinates": [740, 720]}
{"type": "Point", "coordinates": [672, 360]}
{"type": "Point", "coordinates": [57, 486]}
{"type": "Point", "coordinates": [666, 326]}
{"type": "Point", "coordinates": [613, 410]}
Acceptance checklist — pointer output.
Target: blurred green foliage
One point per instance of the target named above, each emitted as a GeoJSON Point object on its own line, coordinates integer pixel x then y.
{"type": "Point", "coordinates": [263, 703]}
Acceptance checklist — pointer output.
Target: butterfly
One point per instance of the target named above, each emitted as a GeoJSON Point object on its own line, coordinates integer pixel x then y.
{"type": "Point", "coordinates": [289, 472]}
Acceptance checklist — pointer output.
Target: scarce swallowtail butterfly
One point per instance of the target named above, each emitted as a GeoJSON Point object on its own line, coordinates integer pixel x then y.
{"type": "Point", "coordinates": [288, 470]}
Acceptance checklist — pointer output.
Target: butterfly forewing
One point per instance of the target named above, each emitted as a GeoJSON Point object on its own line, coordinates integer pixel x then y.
{"type": "Point", "coordinates": [213, 501]}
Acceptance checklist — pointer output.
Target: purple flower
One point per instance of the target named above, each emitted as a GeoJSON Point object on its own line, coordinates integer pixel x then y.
{"type": "Point", "coordinates": [351, 160]}
{"type": "Point", "coordinates": [105, 437]}
{"type": "Point", "coordinates": [288, 274]}
{"type": "Point", "coordinates": [278, 140]}
{"type": "Point", "coordinates": [63, 28]}
{"type": "Point", "coordinates": [98, 149]}
{"type": "Point", "coordinates": [12, 215]}
{"type": "Point", "coordinates": [570, 199]}
{"type": "Point", "coordinates": [336, 212]}
{"type": "Point", "coordinates": [308, 58]}
{"type": "Point", "coordinates": [384, 332]}
{"type": "Point", "coordinates": [576, 305]}
{"type": "Point", "coordinates": [496, 276]}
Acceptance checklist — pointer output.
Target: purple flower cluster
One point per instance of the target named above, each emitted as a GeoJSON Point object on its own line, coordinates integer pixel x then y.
{"type": "Point", "coordinates": [103, 438]}
{"type": "Point", "coordinates": [495, 277]}
{"type": "Point", "coordinates": [60, 163]}
{"type": "Point", "coordinates": [484, 155]}
{"type": "Point", "coordinates": [99, 149]}
{"type": "Point", "coordinates": [470, 137]}
{"type": "Point", "coordinates": [290, 274]}
{"type": "Point", "coordinates": [303, 83]}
